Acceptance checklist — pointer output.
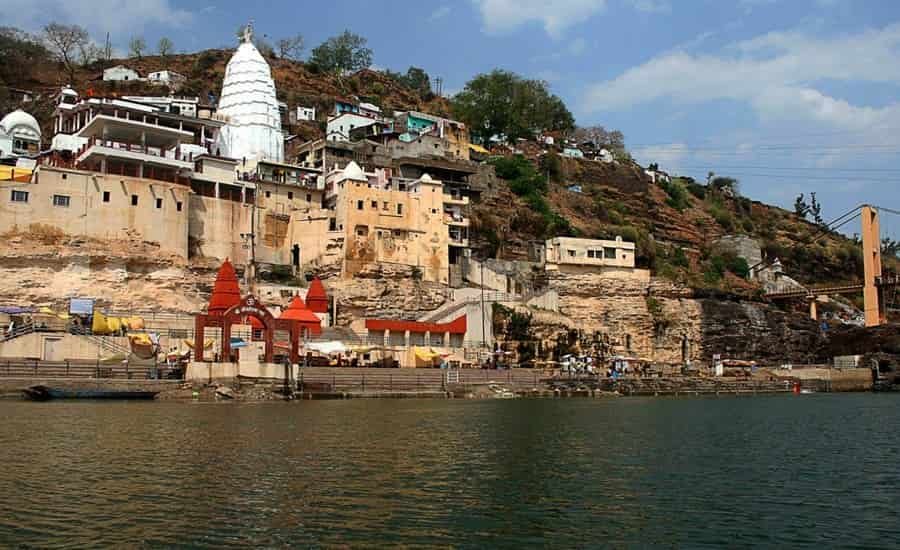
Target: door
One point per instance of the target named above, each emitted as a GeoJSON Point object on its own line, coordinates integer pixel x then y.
{"type": "Point", "coordinates": [52, 349]}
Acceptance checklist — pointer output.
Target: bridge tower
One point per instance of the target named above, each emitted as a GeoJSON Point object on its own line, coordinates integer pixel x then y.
{"type": "Point", "coordinates": [871, 245]}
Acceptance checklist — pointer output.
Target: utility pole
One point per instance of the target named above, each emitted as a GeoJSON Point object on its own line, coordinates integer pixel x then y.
{"type": "Point", "coordinates": [483, 322]}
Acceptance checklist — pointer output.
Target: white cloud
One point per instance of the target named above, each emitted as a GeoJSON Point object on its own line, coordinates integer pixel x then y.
{"type": "Point", "coordinates": [776, 74]}
{"type": "Point", "coordinates": [578, 46]}
{"type": "Point", "coordinates": [439, 13]}
{"type": "Point", "coordinates": [669, 156]}
{"type": "Point", "coordinates": [120, 18]}
{"type": "Point", "coordinates": [505, 15]}
{"type": "Point", "coordinates": [652, 6]}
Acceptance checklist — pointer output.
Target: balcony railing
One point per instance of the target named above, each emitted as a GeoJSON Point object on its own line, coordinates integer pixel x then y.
{"type": "Point", "coordinates": [135, 148]}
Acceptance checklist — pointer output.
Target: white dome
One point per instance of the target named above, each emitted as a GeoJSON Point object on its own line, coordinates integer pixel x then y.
{"type": "Point", "coordinates": [353, 172]}
{"type": "Point", "coordinates": [248, 100]}
{"type": "Point", "coordinates": [21, 125]}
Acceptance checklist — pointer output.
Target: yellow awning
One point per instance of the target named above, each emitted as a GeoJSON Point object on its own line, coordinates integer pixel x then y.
{"type": "Point", "coordinates": [425, 354]}
{"type": "Point", "coordinates": [13, 172]}
{"type": "Point", "coordinates": [479, 149]}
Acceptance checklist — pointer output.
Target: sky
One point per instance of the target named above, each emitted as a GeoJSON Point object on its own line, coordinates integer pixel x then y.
{"type": "Point", "coordinates": [787, 96]}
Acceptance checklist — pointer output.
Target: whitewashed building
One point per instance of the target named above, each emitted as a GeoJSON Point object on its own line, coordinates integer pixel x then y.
{"type": "Point", "coordinates": [167, 78]}
{"type": "Point", "coordinates": [306, 113]}
{"type": "Point", "coordinates": [120, 73]}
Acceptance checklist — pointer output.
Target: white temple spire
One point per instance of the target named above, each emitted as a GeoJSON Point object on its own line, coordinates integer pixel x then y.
{"type": "Point", "coordinates": [249, 103]}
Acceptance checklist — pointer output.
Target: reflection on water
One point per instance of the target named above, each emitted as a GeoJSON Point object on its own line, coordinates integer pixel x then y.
{"type": "Point", "coordinates": [716, 472]}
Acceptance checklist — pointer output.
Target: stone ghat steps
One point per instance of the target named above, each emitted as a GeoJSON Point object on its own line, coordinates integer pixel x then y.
{"type": "Point", "coordinates": [358, 379]}
{"type": "Point", "coordinates": [676, 386]}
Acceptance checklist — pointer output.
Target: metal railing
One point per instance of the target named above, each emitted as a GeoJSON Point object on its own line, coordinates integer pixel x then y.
{"type": "Point", "coordinates": [31, 368]}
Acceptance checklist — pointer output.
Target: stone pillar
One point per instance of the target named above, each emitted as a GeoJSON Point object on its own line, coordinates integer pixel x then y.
{"type": "Point", "coordinates": [871, 244]}
{"type": "Point", "coordinates": [813, 309]}
{"type": "Point", "coordinates": [217, 189]}
{"type": "Point", "coordinates": [140, 169]}
{"type": "Point", "coordinates": [406, 339]}
{"type": "Point", "coordinates": [446, 339]}
{"type": "Point", "coordinates": [386, 341]}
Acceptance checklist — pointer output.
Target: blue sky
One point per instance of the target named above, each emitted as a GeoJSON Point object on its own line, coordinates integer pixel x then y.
{"type": "Point", "coordinates": [788, 96]}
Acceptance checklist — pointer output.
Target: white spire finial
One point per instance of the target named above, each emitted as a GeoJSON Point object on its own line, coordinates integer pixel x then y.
{"type": "Point", "coordinates": [248, 32]}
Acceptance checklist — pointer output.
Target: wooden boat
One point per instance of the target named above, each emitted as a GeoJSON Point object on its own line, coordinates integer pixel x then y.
{"type": "Point", "coordinates": [46, 393]}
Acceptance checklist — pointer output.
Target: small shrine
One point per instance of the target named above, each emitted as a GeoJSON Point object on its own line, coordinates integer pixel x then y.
{"type": "Point", "coordinates": [316, 298]}
{"type": "Point", "coordinates": [297, 311]}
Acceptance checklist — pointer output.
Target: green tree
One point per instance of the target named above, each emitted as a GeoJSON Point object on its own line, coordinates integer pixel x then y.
{"type": "Point", "coordinates": [165, 46]}
{"type": "Point", "coordinates": [291, 47]}
{"type": "Point", "coordinates": [418, 80]}
{"type": "Point", "coordinates": [346, 52]}
{"type": "Point", "coordinates": [726, 186]}
{"type": "Point", "coordinates": [66, 42]}
{"type": "Point", "coordinates": [20, 54]}
{"type": "Point", "coordinates": [137, 46]}
{"type": "Point", "coordinates": [502, 103]}
{"type": "Point", "coordinates": [800, 206]}
{"type": "Point", "coordinates": [815, 208]}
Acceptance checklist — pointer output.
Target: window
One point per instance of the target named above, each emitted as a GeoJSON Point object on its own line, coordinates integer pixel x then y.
{"type": "Point", "coordinates": [362, 230]}
{"type": "Point", "coordinates": [290, 195]}
{"type": "Point", "coordinates": [399, 209]}
{"type": "Point", "coordinates": [158, 203]}
{"type": "Point", "coordinates": [106, 196]}
{"type": "Point", "coordinates": [268, 194]}
{"type": "Point", "coordinates": [308, 197]}
{"type": "Point", "coordinates": [375, 205]}
{"type": "Point", "coordinates": [591, 254]}
{"type": "Point", "coordinates": [178, 206]}
{"type": "Point", "coordinates": [65, 176]}
{"type": "Point", "coordinates": [332, 224]}
{"type": "Point", "coordinates": [571, 253]}
{"type": "Point", "coordinates": [61, 200]}
{"type": "Point", "coordinates": [384, 206]}
{"type": "Point", "coordinates": [134, 199]}
{"type": "Point", "coordinates": [610, 253]}
{"type": "Point", "coordinates": [359, 205]}
{"type": "Point", "coordinates": [402, 187]}
{"type": "Point", "coordinates": [19, 196]}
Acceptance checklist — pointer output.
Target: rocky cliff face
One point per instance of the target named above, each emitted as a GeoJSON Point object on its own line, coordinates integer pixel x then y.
{"type": "Point", "coordinates": [120, 275]}
{"type": "Point", "coordinates": [384, 291]}
{"type": "Point", "coordinates": [659, 320]}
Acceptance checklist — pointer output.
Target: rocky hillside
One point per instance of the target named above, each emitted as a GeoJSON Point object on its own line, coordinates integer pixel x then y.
{"type": "Point", "coordinates": [296, 84]}
{"type": "Point", "coordinates": [676, 224]}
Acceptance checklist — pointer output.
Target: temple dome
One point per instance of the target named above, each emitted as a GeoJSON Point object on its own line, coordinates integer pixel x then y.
{"type": "Point", "coordinates": [21, 125]}
{"type": "Point", "coordinates": [353, 172]}
{"type": "Point", "coordinates": [248, 101]}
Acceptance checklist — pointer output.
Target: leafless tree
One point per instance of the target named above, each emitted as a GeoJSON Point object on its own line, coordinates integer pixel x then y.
{"type": "Point", "coordinates": [165, 46]}
{"type": "Point", "coordinates": [290, 48]}
{"type": "Point", "coordinates": [137, 46]}
{"type": "Point", "coordinates": [67, 42]}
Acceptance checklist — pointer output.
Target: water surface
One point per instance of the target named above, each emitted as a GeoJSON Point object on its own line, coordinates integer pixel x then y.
{"type": "Point", "coordinates": [715, 472]}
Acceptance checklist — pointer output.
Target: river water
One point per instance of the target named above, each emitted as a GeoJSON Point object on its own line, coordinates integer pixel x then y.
{"type": "Point", "coordinates": [704, 472]}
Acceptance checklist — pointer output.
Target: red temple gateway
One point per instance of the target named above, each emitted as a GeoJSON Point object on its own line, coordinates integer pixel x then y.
{"type": "Point", "coordinates": [297, 311]}
{"type": "Point", "coordinates": [316, 297]}
{"type": "Point", "coordinates": [227, 308]}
